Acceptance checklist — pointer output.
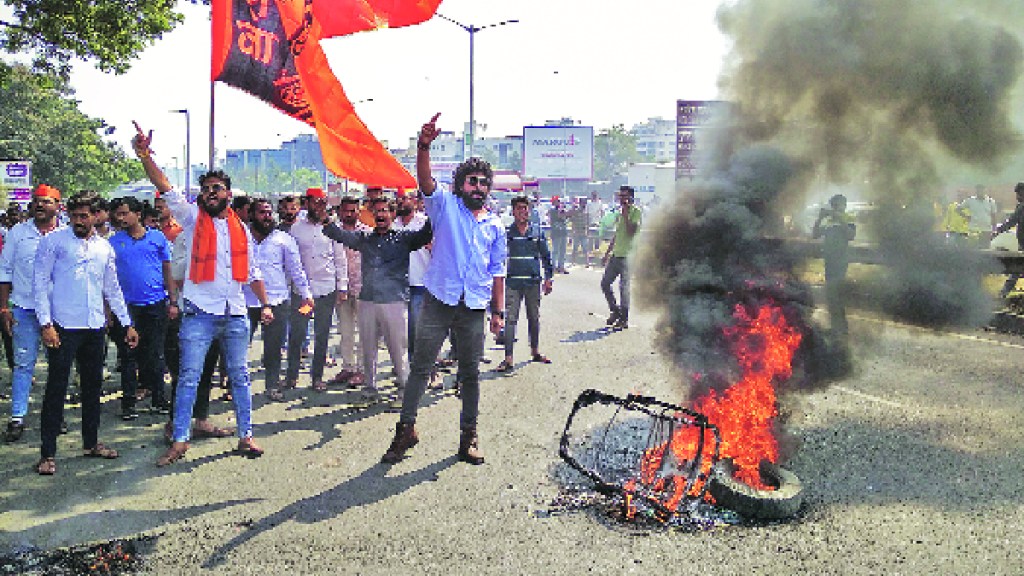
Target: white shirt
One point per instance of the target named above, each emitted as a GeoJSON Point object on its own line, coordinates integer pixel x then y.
{"type": "Point", "coordinates": [222, 295]}
{"type": "Point", "coordinates": [18, 260]}
{"type": "Point", "coordinates": [278, 259]}
{"type": "Point", "coordinates": [983, 212]}
{"type": "Point", "coordinates": [323, 259]}
{"type": "Point", "coordinates": [420, 259]}
{"type": "Point", "coordinates": [81, 274]}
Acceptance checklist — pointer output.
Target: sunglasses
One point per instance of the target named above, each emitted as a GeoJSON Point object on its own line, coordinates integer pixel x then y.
{"type": "Point", "coordinates": [481, 181]}
{"type": "Point", "coordinates": [212, 188]}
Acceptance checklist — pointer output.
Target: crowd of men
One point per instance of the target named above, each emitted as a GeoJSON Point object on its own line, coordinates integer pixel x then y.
{"type": "Point", "coordinates": [180, 287]}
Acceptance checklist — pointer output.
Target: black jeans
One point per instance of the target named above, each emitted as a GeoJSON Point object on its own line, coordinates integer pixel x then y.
{"type": "Point", "coordinates": [86, 347]}
{"type": "Point", "coordinates": [467, 326]}
{"type": "Point", "coordinates": [145, 363]}
{"type": "Point", "coordinates": [273, 340]}
{"type": "Point", "coordinates": [323, 316]}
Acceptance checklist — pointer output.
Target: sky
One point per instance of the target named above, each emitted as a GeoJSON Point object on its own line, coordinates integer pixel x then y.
{"type": "Point", "coordinates": [601, 63]}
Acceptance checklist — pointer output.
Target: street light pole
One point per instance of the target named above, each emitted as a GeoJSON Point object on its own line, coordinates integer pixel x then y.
{"type": "Point", "coordinates": [471, 136]}
{"type": "Point", "coordinates": [188, 148]}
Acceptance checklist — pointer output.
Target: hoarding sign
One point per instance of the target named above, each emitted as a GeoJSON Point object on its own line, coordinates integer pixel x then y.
{"type": "Point", "coordinates": [16, 181]}
{"type": "Point", "coordinates": [691, 115]}
{"type": "Point", "coordinates": [558, 152]}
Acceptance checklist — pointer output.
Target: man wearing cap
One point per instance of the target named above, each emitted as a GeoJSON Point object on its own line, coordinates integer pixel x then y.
{"type": "Point", "coordinates": [466, 276]}
{"type": "Point", "coordinates": [219, 262]}
{"type": "Point", "coordinates": [326, 267]}
{"type": "Point", "coordinates": [17, 305]}
{"type": "Point", "coordinates": [366, 215]}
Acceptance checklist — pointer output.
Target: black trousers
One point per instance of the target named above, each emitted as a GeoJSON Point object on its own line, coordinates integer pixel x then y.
{"type": "Point", "coordinates": [145, 363]}
{"type": "Point", "coordinates": [86, 347]}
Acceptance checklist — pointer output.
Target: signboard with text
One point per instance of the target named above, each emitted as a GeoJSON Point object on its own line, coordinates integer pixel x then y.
{"type": "Point", "coordinates": [16, 183]}
{"type": "Point", "coordinates": [558, 152]}
{"type": "Point", "coordinates": [691, 115]}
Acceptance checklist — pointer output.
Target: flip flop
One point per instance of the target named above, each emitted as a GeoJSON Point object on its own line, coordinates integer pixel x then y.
{"type": "Point", "coordinates": [100, 451]}
{"type": "Point", "coordinates": [174, 453]}
{"type": "Point", "coordinates": [541, 358]}
{"type": "Point", "coordinates": [505, 367]}
{"type": "Point", "coordinates": [248, 448]}
{"type": "Point", "coordinates": [320, 386]}
{"type": "Point", "coordinates": [46, 467]}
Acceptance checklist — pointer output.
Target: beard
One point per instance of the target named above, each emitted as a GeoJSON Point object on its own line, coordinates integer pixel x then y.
{"type": "Point", "coordinates": [263, 228]}
{"type": "Point", "coordinates": [215, 209]}
{"type": "Point", "coordinates": [474, 201]}
{"type": "Point", "coordinates": [404, 211]}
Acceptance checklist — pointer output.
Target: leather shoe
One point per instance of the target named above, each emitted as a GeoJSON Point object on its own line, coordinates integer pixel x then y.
{"type": "Point", "coordinates": [405, 438]}
{"type": "Point", "coordinates": [469, 447]}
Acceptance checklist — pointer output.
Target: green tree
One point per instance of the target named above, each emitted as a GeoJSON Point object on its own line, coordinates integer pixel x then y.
{"type": "Point", "coordinates": [41, 122]}
{"type": "Point", "coordinates": [614, 151]}
{"type": "Point", "coordinates": [111, 32]}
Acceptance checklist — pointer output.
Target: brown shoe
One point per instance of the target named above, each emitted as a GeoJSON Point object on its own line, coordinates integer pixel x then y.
{"type": "Point", "coordinates": [469, 449]}
{"type": "Point", "coordinates": [174, 453]}
{"type": "Point", "coordinates": [405, 439]}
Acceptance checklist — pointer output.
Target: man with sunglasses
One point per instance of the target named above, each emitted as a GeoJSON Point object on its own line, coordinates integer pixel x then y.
{"type": "Point", "coordinates": [466, 275]}
{"type": "Point", "coordinates": [221, 260]}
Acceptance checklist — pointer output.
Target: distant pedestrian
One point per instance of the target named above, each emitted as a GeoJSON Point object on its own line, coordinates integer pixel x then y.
{"type": "Point", "coordinates": [837, 229]}
{"type": "Point", "coordinates": [616, 259]}
{"type": "Point", "coordinates": [558, 217]}
{"type": "Point", "coordinates": [1015, 220]}
{"type": "Point", "coordinates": [529, 273]}
{"type": "Point", "coordinates": [982, 215]}
{"type": "Point", "coordinates": [74, 266]}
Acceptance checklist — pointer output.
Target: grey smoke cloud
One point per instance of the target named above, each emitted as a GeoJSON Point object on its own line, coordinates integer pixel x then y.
{"type": "Point", "coordinates": [887, 97]}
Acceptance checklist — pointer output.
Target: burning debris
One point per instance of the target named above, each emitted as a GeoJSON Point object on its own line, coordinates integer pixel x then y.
{"type": "Point", "coordinates": [116, 557]}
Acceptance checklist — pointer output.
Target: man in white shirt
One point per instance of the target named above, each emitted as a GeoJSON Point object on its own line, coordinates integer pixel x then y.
{"type": "Point", "coordinates": [17, 305]}
{"type": "Point", "coordinates": [220, 262]}
{"type": "Point", "coordinates": [326, 267]}
{"type": "Point", "coordinates": [73, 277]}
{"type": "Point", "coordinates": [277, 256]}
{"type": "Point", "coordinates": [983, 217]}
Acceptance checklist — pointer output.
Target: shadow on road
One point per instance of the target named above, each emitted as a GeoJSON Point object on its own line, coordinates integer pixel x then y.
{"type": "Point", "coordinates": [587, 335]}
{"type": "Point", "coordinates": [372, 486]}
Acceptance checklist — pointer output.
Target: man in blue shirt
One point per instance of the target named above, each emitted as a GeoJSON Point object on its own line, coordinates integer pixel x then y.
{"type": "Point", "coordinates": [144, 272]}
{"type": "Point", "coordinates": [466, 275]}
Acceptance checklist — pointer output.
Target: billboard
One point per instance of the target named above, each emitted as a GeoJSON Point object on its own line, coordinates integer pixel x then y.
{"type": "Point", "coordinates": [691, 115]}
{"type": "Point", "coordinates": [16, 181]}
{"type": "Point", "coordinates": [558, 152]}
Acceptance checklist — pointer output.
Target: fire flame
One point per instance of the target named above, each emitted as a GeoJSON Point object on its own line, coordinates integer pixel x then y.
{"type": "Point", "coordinates": [763, 343]}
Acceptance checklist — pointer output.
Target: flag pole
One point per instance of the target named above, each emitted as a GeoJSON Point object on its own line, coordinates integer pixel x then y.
{"type": "Point", "coordinates": [212, 134]}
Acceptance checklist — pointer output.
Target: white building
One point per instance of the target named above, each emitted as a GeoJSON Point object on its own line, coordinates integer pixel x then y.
{"type": "Point", "coordinates": [656, 139]}
{"type": "Point", "coordinates": [650, 180]}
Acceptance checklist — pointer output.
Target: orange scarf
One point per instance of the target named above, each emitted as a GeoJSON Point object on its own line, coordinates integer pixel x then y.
{"type": "Point", "coordinates": [204, 249]}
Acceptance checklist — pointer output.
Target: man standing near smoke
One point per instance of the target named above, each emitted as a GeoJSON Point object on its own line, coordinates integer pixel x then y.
{"type": "Point", "coordinates": [1015, 220]}
{"type": "Point", "coordinates": [982, 217]}
{"type": "Point", "coordinates": [837, 230]}
{"type": "Point", "coordinates": [466, 275]}
{"type": "Point", "coordinates": [615, 259]}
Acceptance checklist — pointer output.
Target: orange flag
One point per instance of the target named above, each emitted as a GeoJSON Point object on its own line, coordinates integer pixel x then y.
{"type": "Point", "coordinates": [271, 49]}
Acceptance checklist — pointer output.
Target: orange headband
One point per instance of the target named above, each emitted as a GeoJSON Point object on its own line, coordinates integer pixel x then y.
{"type": "Point", "coordinates": [46, 191]}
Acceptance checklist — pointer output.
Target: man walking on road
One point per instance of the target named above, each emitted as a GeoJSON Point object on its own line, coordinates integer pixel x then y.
{"type": "Point", "coordinates": [616, 259]}
{"type": "Point", "coordinates": [143, 259]}
{"type": "Point", "coordinates": [75, 274]}
{"type": "Point", "coordinates": [326, 269]}
{"type": "Point", "coordinates": [277, 256]}
{"type": "Point", "coordinates": [465, 276]}
{"type": "Point", "coordinates": [220, 261]}
{"type": "Point", "coordinates": [527, 254]}
{"type": "Point", "coordinates": [17, 303]}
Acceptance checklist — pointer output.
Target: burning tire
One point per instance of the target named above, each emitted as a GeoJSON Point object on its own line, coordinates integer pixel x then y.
{"type": "Point", "coordinates": [783, 502]}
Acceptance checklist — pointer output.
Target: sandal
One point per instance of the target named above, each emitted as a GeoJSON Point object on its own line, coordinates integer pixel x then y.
{"type": "Point", "coordinates": [213, 432]}
{"type": "Point", "coordinates": [275, 395]}
{"type": "Point", "coordinates": [173, 454]}
{"type": "Point", "coordinates": [46, 467]}
{"type": "Point", "coordinates": [356, 380]}
{"type": "Point", "coordinates": [290, 385]}
{"type": "Point", "coordinates": [541, 358]}
{"type": "Point", "coordinates": [319, 386]}
{"type": "Point", "coordinates": [342, 377]}
{"type": "Point", "coordinates": [505, 367]}
{"type": "Point", "coordinates": [248, 448]}
{"type": "Point", "coordinates": [100, 451]}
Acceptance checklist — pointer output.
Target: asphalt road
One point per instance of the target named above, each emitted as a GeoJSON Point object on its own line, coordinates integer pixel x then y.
{"type": "Point", "coordinates": [910, 466]}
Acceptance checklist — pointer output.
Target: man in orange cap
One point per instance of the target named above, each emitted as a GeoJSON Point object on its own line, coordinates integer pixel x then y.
{"type": "Point", "coordinates": [17, 303]}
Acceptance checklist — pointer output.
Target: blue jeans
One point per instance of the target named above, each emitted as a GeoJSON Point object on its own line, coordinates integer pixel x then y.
{"type": "Point", "coordinates": [559, 241]}
{"type": "Point", "coordinates": [26, 351]}
{"type": "Point", "coordinates": [198, 330]}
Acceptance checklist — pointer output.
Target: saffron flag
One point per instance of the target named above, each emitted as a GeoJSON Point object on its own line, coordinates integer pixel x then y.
{"type": "Point", "coordinates": [271, 49]}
